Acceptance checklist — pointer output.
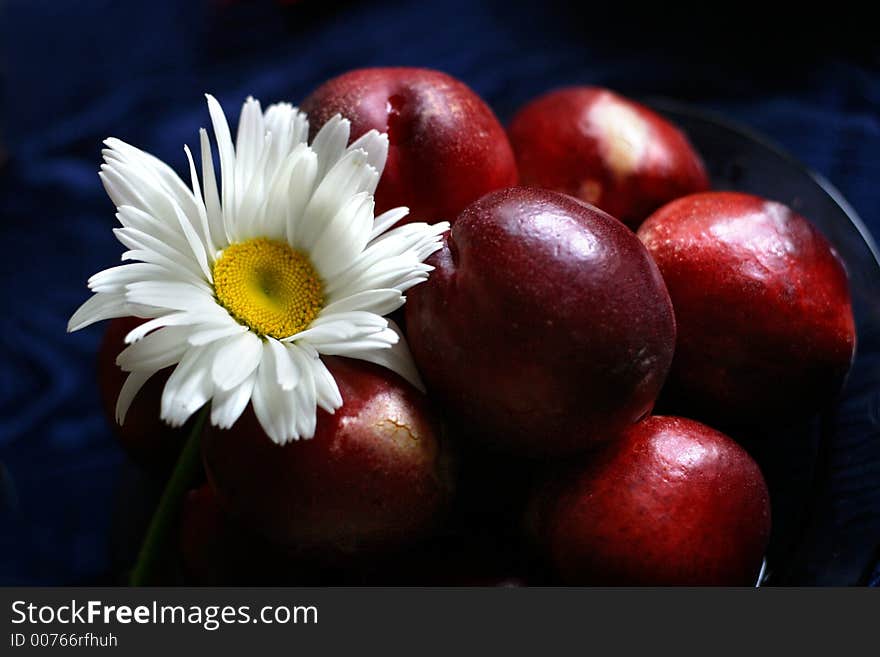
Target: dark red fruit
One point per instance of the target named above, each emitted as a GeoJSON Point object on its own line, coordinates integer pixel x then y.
{"type": "Point", "coordinates": [373, 478]}
{"type": "Point", "coordinates": [446, 146]}
{"type": "Point", "coordinates": [606, 150]}
{"type": "Point", "coordinates": [545, 327]}
{"type": "Point", "coordinates": [765, 324]}
{"type": "Point", "coordinates": [672, 503]}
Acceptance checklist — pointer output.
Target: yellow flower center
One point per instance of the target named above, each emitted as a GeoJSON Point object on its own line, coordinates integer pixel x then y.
{"type": "Point", "coordinates": [268, 286]}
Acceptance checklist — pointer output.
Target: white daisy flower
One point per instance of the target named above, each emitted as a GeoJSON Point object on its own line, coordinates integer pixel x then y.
{"type": "Point", "coordinates": [248, 284]}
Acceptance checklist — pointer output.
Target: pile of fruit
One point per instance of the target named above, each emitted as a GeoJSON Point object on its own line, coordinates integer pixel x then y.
{"type": "Point", "coordinates": [593, 305]}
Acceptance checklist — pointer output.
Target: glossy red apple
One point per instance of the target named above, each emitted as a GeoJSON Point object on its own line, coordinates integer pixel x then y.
{"type": "Point", "coordinates": [374, 477]}
{"type": "Point", "coordinates": [765, 323]}
{"type": "Point", "coordinates": [545, 327]}
{"type": "Point", "coordinates": [144, 436]}
{"type": "Point", "coordinates": [606, 150]}
{"type": "Point", "coordinates": [446, 146]}
{"type": "Point", "coordinates": [674, 502]}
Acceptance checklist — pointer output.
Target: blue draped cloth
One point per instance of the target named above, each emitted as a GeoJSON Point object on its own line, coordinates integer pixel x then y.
{"type": "Point", "coordinates": [72, 74]}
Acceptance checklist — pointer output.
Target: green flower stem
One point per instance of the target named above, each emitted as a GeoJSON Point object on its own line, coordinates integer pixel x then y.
{"type": "Point", "coordinates": [163, 523]}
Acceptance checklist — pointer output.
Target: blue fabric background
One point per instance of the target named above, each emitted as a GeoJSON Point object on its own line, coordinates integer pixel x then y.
{"type": "Point", "coordinates": [72, 74]}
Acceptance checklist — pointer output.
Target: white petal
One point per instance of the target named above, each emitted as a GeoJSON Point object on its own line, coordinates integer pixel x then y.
{"type": "Point", "coordinates": [284, 116]}
{"type": "Point", "coordinates": [288, 192]}
{"type": "Point", "coordinates": [189, 387]}
{"type": "Point", "coordinates": [299, 191]}
{"type": "Point", "coordinates": [289, 128]}
{"type": "Point", "coordinates": [176, 273]}
{"type": "Point", "coordinates": [150, 196]}
{"type": "Point", "coordinates": [237, 358]}
{"type": "Point", "coordinates": [227, 159]}
{"type": "Point", "coordinates": [170, 295]}
{"type": "Point", "coordinates": [207, 237]}
{"type": "Point", "coordinates": [393, 260]}
{"type": "Point", "coordinates": [351, 278]}
{"type": "Point", "coordinates": [397, 358]}
{"type": "Point", "coordinates": [344, 236]}
{"type": "Point", "coordinates": [116, 278]}
{"type": "Point", "coordinates": [406, 283]}
{"type": "Point", "coordinates": [380, 302]}
{"type": "Point", "coordinates": [98, 307]}
{"type": "Point", "coordinates": [413, 237]}
{"type": "Point", "coordinates": [339, 327]}
{"type": "Point", "coordinates": [304, 409]}
{"type": "Point", "coordinates": [172, 259]}
{"type": "Point", "coordinates": [228, 405]}
{"type": "Point", "coordinates": [343, 181]}
{"type": "Point", "coordinates": [171, 319]}
{"type": "Point", "coordinates": [196, 245]}
{"type": "Point", "coordinates": [375, 144]}
{"type": "Point", "coordinates": [327, 392]}
{"type": "Point", "coordinates": [384, 339]}
{"type": "Point", "coordinates": [167, 233]}
{"type": "Point", "coordinates": [133, 384]}
{"type": "Point", "coordinates": [161, 348]}
{"type": "Point", "coordinates": [287, 374]}
{"type": "Point", "coordinates": [118, 189]}
{"type": "Point", "coordinates": [397, 272]}
{"type": "Point", "coordinates": [330, 142]}
{"type": "Point", "coordinates": [158, 172]}
{"type": "Point", "coordinates": [132, 216]}
{"type": "Point", "coordinates": [217, 331]}
{"type": "Point", "coordinates": [211, 196]}
{"type": "Point", "coordinates": [251, 196]}
{"type": "Point", "coordinates": [248, 146]}
{"type": "Point", "coordinates": [270, 406]}
{"type": "Point", "coordinates": [386, 220]}
{"type": "Point", "coordinates": [355, 317]}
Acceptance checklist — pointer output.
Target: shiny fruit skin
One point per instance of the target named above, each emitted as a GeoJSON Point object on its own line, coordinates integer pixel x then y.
{"type": "Point", "coordinates": [145, 437]}
{"type": "Point", "coordinates": [606, 150]}
{"type": "Point", "coordinates": [447, 148]}
{"type": "Point", "coordinates": [762, 304]}
{"type": "Point", "coordinates": [372, 478]}
{"type": "Point", "coordinates": [545, 327]}
{"type": "Point", "coordinates": [673, 503]}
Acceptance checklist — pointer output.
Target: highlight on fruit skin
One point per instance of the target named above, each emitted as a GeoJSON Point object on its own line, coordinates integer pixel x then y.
{"type": "Point", "coordinates": [605, 149]}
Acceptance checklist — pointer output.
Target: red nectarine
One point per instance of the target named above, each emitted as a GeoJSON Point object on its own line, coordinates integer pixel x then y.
{"type": "Point", "coordinates": [765, 323]}
{"type": "Point", "coordinates": [545, 327]}
{"type": "Point", "coordinates": [606, 150]}
{"type": "Point", "coordinates": [446, 146]}
{"type": "Point", "coordinates": [672, 503]}
{"type": "Point", "coordinates": [373, 477]}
